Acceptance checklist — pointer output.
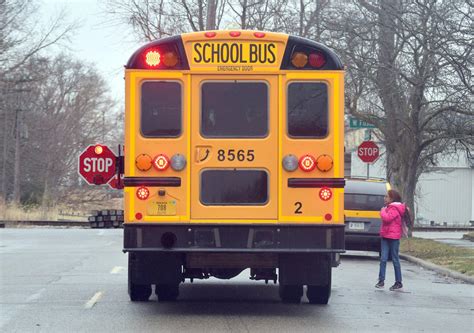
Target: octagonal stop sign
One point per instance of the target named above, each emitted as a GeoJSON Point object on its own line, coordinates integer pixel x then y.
{"type": "Point", "coordinates": [97, 164]}
{"type": "Point", "coordinates": [368, 151]}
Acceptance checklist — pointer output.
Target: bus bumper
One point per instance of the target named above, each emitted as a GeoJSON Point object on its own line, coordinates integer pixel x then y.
{"type": "Point", "coordinates": [240, 238]}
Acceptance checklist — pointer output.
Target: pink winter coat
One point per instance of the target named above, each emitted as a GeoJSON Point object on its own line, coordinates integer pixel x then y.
{"type": "Point", "coordinates": [391, 226]}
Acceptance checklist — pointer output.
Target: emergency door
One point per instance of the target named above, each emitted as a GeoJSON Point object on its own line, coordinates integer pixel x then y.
{"type": "Point", "coordinates": [234, 147]}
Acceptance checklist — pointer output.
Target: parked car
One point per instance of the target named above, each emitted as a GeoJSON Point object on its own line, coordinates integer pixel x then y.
{"type": "Point", "coordinates": [363, 199]}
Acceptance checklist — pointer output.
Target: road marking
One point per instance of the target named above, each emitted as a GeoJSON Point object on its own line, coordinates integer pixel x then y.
{"type": "Point", "coordinates": [117, 269]}
{"type": "Point", "coordinates": [35, 296]}
{"type": "Point", "coordinates": [90, 303]}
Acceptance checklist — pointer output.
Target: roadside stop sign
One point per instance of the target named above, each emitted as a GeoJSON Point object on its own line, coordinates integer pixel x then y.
{"type": "Point", "coordinates": [97, 164]}
{"type": "Point", "coordinates": [368, 151]}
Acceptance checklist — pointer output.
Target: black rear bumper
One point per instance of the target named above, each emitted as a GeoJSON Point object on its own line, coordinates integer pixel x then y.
{"type": "Point", "coordinates": [242, 238]}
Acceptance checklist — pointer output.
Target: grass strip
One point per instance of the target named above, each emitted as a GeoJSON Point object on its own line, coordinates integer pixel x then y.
{"type": "Point", "coordinates": [456, 258]}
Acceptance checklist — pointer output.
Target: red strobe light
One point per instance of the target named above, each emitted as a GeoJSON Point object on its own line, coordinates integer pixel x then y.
{"type": "Point", "coordinates": [98, 149]}
{"type": "Point", "coordinates": [161, 162]}
{"type": "Point", "coordinates": [143, 193]}
{"type": "Point", "coordinates": [325, 194]}
{"type": "Point", "coordinates": [307, 163]}
{"type": "Point", "coordinates": [317, 60]}
{"type": "Point", "coordinates": [152, 58]}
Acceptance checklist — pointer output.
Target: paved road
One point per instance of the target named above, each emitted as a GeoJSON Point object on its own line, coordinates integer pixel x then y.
{"type": "Point", "coordinates": [74, 280]}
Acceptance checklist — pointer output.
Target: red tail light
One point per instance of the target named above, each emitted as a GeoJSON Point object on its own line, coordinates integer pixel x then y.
{"type": "Point", "coordinates": [161, 162]}
{"type": "Point", "coordinates": [307, 163]}
{"type": "Point", "coordinates": [143, 193]}
{"type": "Point", "coordinates": [325, 193]}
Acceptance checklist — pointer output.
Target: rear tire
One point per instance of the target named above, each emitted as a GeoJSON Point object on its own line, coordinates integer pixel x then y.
{"type": "Point", "coordinates": [139, 292]}
{"type": "Point", "coordinates": [167, 292]}
{"type": "Point", "coordinates": [320, 294]}
{"type": "Point", "coordinates": [291, 293]}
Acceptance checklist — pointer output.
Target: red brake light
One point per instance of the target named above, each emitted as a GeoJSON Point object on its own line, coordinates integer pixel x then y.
{"type": "Point", "coordinates": [152, 58]}
{"type": "Point", "coordinates": [325, 193]}
{"type": "Point", "coordinates": [234, 33]}
{"type": "Point", "coordinates": [307, 163]}
{"type": "Point", "coordinates": [317, 60]}
{"type": "Point", "coordinates": [143, 193]}
{"type": "Point", "coordinates": [161, 162]}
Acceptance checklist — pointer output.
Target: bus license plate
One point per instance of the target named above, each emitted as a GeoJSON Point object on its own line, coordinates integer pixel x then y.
{"type": "Point", "coordinates": [356, 225]}
{"type": "Point", "coordinates": [162, 208]}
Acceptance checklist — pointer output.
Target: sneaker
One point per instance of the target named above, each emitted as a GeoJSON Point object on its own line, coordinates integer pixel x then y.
{"type": "Point", "coordinates": [380, 285]}
{"type": "Point", "coordinates": [396, 286]}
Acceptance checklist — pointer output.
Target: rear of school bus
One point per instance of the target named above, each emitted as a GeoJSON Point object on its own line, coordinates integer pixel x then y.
{"type": "Point", "coordinates": [233, 160]}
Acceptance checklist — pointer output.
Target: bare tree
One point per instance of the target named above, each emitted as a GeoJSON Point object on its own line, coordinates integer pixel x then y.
{"type": "Point", "coordinates": [21, 38]}
{"type": "Point", "coordinates": [409, 74]}
{"type": "Point", "coordinates": [153, 19]}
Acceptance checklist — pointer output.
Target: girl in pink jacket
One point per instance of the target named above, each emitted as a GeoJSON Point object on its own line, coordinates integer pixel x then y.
{"type": "Point", "coordinates": [390, 233]}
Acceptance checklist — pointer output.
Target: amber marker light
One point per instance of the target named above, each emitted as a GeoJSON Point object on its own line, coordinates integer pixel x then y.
{"type": "Point", "coordinates": [325, 193]}
{"type": "Point", "coordinates": [324, 163]}
{"type": "Point", "coordinates": [143, 162]}
{"type": "Point", "coordinates": [170, 59]}
{"type": "Point", "coordinates": [161, 162]}
{"type": "Point", "coordinates": [143, 193]}
{"type": "Point", "coordinates": [299, 59]}
{"type": "Point", "coordinates": [98, 149]}
{"type": "Point", "coordinates": [152, 58]}
{"type": "Point", "coordinates": [307, 163]}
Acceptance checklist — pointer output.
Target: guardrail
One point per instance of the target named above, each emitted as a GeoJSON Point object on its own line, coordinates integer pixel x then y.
{"type": "Point", "coordinates": [8, 224]}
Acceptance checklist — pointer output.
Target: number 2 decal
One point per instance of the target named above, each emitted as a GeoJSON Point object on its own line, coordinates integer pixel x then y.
{"type": "Point", "coordinates": [298, 206]}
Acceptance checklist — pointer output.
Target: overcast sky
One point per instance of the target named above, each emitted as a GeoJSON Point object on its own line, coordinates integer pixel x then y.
{"type": "Point", "coordinates": [97, 40]}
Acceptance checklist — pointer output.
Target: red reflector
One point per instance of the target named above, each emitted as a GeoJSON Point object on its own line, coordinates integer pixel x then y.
{"type": "Point", "coordinates": [152, 58]}
{"type": "Point", "coordinates": [234, 33]}
{"type": "Point", "coordinates": [325, 194]}
{"type": "Point", "coordinates": [259, 34]}
{"type": "Point", "coordinates": [143, 193]}
{"type": "Point", "coordinates": [317, 60]}
{"type": "Point", "coordinates": [210, 34]}
{"type": "Point", "coordinates": [328, 217]}
{"type": "Point", "coordinates": [307, 163]}
{"type": "Point", "coordinates": [138, 216]}
{"type": "Point", "coordinates": [161, 162]}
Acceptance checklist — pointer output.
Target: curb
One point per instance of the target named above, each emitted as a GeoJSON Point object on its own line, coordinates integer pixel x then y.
{"type": "Point", "coordinates": [13, 224]}
{"type": "Point", "coordinates": [438, 269]}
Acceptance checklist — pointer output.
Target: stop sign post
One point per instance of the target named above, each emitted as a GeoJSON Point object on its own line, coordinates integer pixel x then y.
{"type": "Point", "coordinates": [97, 164]}
{"type": "Point", "coordinates": [368, 151]}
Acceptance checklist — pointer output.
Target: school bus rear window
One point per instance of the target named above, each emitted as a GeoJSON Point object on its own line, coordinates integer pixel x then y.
{"type": "Point", "coordinates": [234, 109]}
{"type": "Point", "coordinates": [307, 110]}
{"type": "Point", "coordinates": [363, 202]}
{"type": "Point", "coordinates": [234, 187]}
{"type": "Point", "coordinates": [160, 109]}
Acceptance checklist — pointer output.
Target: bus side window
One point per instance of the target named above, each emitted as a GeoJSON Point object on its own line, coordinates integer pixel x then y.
{"type": "Point", "coordinates": [307, 110]}
{"type": "Point", "coordinates": [160, 109]}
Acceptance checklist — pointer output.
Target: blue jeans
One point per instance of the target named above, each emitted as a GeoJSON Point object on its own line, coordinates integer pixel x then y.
{"type": "Point", "coordinates": [390, 246]}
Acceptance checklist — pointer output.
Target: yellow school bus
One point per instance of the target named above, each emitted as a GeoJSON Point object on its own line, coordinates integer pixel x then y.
{"type": "Point", "coordinates": [233, 161]}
